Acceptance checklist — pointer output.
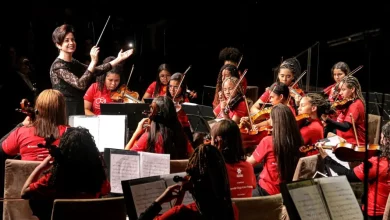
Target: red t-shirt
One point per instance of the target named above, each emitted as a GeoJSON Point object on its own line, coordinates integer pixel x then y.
{"type": "Point", "coordinates": [312, 133]}
{"type": "Point", "coordinates": [358, 115]}
{"type": "Point", "coordinates": [142, 144]}
{"type": "Point", "coordinates": [242, 179]}
{"type": "Point", "coordinates": [152, 87]}
{"type": "Point", "coordinates": [182, 116]}
{"type": "Point", "coordinates": [97, 97]}
{"type": "Point", "coordinates": [188, 212]}
{"type": "Point", "coordinates": [239, 110]}
{"type": "Point", "coordinates": [23, 141]}
{"type": "Point", "coordinates": [383, 180]}
{"type": "Point", "coordinates": [41, 188]}
{"type": "Point", "coordinates": [269, 176]}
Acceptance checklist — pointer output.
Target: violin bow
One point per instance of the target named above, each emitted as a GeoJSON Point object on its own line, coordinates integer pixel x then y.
{"type": "Point", "coordinates": [101, 34]}
{"type": "Point", "coordinates": [128, 80]}
{"type": "Point", "coordinates": [239, 62]}
{"type": "Point", "coordinates": [181, 81]}
{"type": "Point", "coordinates": [342, 81]}
{"type": "Point", "coordinates": [292, 86]}
{"type": "Point", "coordinates": [354, 129]}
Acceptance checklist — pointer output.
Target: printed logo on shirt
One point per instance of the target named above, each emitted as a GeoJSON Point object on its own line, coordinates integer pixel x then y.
{"type": "Point", "coordinates": [100, 100]}
{"type": "Point", "coordinates": [239, 174]}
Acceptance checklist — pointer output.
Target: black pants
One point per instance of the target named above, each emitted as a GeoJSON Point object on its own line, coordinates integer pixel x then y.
{"type": "Point", "coordinates": [259, 191]}
{"type": "Point", "coordinates": [375, 217]}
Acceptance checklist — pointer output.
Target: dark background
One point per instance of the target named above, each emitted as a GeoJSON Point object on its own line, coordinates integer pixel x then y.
{"type": "Point", "coordinates": [193, 34]}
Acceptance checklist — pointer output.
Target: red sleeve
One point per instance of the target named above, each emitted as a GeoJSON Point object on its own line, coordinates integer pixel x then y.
{"type": "Point", "coordinates": [265, 96]}
{"type": "Point", "coordinates": [359, 170]}
{"type": "Point", "coordinates": [10, 145]}
{"type": "Point", "coordinates": [328, 89]}
{"type": "Point", "coordinates": [41, 188]}
{"type": "Point", "coordinates": [305, 135]}
{"type": "Point", "coordinates": [262, 149]}
{"type": "Point", "coordinates": [151, 88]}
{"type": "Point", "coordinates": [90, 94]}
{"type": "Point", "coordinates": [217, 110]}
{"type": "Point", "coordinates": [141, 143]}
{"type": "Point", "coordinates": [106, 188]}
{"type": "Point", "coordinates": [240, 110]}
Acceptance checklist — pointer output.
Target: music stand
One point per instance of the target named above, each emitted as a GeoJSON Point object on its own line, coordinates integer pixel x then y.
{"type": "Point", "coordinates": [208, 94]}
{"type": "Point", "coordinates": [148, 100]}
{"type": "Point", "coordinates": [198, 116]}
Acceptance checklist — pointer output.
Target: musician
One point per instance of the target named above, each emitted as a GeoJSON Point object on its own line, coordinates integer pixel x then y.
{"type": "Point", "coordinates": [227, 70]}
{"type": "Point", "coordinates": [50, 119]}
{"type": "Point", "coordinates": [163, 133]}
{"type": "Point", "coordinates": [77, 172]}
{"type": "Point", "coordinates": [100, 91]}
{"type": "Point", "coordinates": [71, 77]}
{"type": "Point", "coordinates": [180, 97]}
{"type": "Point", "coordinates": [288, 71]}
{"type": "Point", "coordinates": [225, 135]}
{"type": "Point", "coordinates": [378, 175]}
{"type": "Point", "coordinates": [339, 71]}
{"type": "Point", "coordinates": [279, 151]}
{"type": "Point", "coordinates": [351, 93]}
{"type": "Point", "coordinates": [312, 130]}
{"type": "Point", "coordinates": [232, 106]}
{"type": "Point", "coordinates": [207, 181]}
{"type": "Point", "coordinates": [233, 56]}
{"type": "Point", "coordinates": [159, 87]}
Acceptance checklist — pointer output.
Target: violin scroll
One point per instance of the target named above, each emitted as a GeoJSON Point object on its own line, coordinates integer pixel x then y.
{"type": "Point", "coordinates": [25, 108]}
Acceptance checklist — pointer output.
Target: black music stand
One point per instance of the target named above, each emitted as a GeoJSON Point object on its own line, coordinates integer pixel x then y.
{"type": "Point", "coordinates": [198, 116]}
{"type": "Point", "coordinates": [148, 100]}
{"type": "Point", "coordinates": [208, 95]}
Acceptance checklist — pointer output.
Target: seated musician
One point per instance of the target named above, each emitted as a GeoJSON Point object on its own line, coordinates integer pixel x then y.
{"type": "Point", "coordinates": [288, 71]}
{"type": "Point", "coordinates": [50, 119]}
{"type": "Point", "coordinates": [352, 104]}
{"type": "Point", "coordinates": [159, 87]}
{"type": "Point", "coordinates": [378, 175]}
{"type": "Point", "coordinates": [279, 151]}
{"type": "Point", "coordinates": [233, 56]}
{"type": "Point", "coordinates": [100, 91]}
{"type": "Point", "coordinates": [226, 136]}
{"type": "Point", "coordinates": [161, 132]}
{"type": "Point", "coordinates": [232, 106]}
{"type": "Point", "coordinates": [338, 71]}
{"type": "Point", "coordinates": [227, 70]}
{"type": "Point", "coordinates": [180, 97]}
{"type": "Point", "coordinates": [314, 105]}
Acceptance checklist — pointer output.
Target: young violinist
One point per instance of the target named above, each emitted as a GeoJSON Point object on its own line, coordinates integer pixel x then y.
{"type": "Point", "coordinates": [227, 70]}
{"type": "Point", "coordinates": [159, 87]}
{"type": "Point", "coordinates": [180, 96]}
{"type": "Point", "coordinates": [225, 135]}
{"type": "Point", "coordinates": [338, 71]}
{"type": "Point", "coordinates": [232, 106]}
{"type": "Point", "coordinates": [378, 175]}
{"type": "Point", "coordinates": [279, 151]}
{"type": "Point", "coordinates": [233, 56]}
{"type": "Point", "coordinates": [208, 182]}
{"type": "Point", "coordinates": [100, 91]}
{"type": "Point", "coordinates": [288, 71]}
{"type": "Point", "coordinates": [352, 104]}
{"type": "Point", "coordinates": [161, 132]}
{"type": "Point", "coordinates": [71, 77]}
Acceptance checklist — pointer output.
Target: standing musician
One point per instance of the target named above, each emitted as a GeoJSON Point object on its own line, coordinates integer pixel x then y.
{"type": "Point", "coordinates": [378, 175]}
{"type": "Point", "coordinates": [100, 91]}
{"type": "Point", "coordinates": [339, 71]}
{"type": "Point", "coordinates": [352, 103]}
{"type": "Point", "coordinates": [288, 71]}
{"type": "Point", "coordinates": [71, 77]}
{"type": "Point", "coordinates": [227, 70]}
{"type": "Point", "coordinates": [231, 55]}
{"type": "Point", "coordinates": [232, 106]}
{"type": "Point", "coordinates": [159, 87]}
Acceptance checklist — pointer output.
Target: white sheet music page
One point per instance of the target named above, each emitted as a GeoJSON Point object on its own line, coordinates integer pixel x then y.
{"type": "Point", "coordinates": [309, 204]}
{"type": "Point", "coordinates": [89, 122]}
{"type": "Point", "coordinates": [112, 129]}
{"type": "Point", "coordinates": [153, 164]}
{"type": "Point", "coordinates": [340, 198]}
{"type": "Point", "coordinates": [123, 167]}
{"type": "Point", "coordinates": [145, 194]}
{"type": "Point", "coordinates": [169, 181]}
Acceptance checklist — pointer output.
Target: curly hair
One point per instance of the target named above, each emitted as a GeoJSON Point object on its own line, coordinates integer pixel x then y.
{"type": "Point", "coordinates": [385, 145]}
{"type": "Point", "coordinates": [117, 69]}
{"type": "Point", "coordinates": [323, 104]}
{"type": "Point", "coordinates": [233, 72]}
{"type": "Point", "coordinates": [230, 54]}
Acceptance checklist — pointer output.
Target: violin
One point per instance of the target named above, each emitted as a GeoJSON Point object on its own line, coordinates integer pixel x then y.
{"type": "Point", "coordinates": [183, 189]}
{"type": "Point", "coordinates": [25, 108]}
{"type": "Point", "coordinates": [125, 95]}
{"type": "Point", "coordinates": [303, 119]}
{"type": "Point", "coordinates": [342, 104]}
{"type": "Point", "coordinates": [177, 104]}
{"type": "Point", "coordinates": [261, 115]}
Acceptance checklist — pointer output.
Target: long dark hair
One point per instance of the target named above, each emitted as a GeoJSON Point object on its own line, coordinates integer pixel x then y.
{"type": "Point", "coordinates": [166, 124]}
{"type": "Point", "coordinates": [162, 67]}
{"type": "Point", "coordinates": [117, 69]}
{"type": "Point", "coordinates": [183, 86]}
{"type": "Point", "coordinates": [341, 66]}
{"type": "Point", "coordinates": [287, 139]}
{"type": "Point", "coordinates": [211, 189]}
{"type": "Point", "coordinates": [228, 133]}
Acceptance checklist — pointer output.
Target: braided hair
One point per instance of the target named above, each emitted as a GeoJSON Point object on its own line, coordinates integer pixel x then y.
{"type": "Point", "coordinates": [385, 143]}
{"type": "Point", "coordinates": [117, 69]}
{"type": "Point", "coordinates": [353, 82]}
{"type": "Point", "coordinates": [323, 104]}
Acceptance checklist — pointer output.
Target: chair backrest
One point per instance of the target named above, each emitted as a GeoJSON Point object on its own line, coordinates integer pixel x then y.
{"type": "Point", "coordinates": [16, 174]}
{"type": "Point", "coordinates": [263, 207]}
{"type": "Point", "coordinates": [178, 166]}
{"type": "Point", "coordinates": [386, 214]}
{"type": "Point", "coordinates": [96, 209]}
{"type": "Point", "coordinates": [308, 166]}
{"type": "Point", "coordinates": [374, 123]}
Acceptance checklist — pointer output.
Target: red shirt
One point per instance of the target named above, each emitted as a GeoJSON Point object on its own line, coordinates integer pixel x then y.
{"type": "Point", "coordinates": [188, 212]}
{"type": "Point", "coordinates": [358, 115]}
{"type": "Point", "coordinates": [23, 141]}
{"type": "Point", "coordinates": [329, 91]}
{"type": "Point", "coordinates": [142, 144]}
{"type": "Point", "coordinates": [240, 110]}
{"type": "Point", "coordinates": [383, 180]}
{"type": "Point", "coordinates": [269, 176]}
{"type": "Point", "coordinates": [265, 99]}
{"type": "Point", "coordinates": [152, 87]}
{"type": "Point", "coordinates": [312, 133]}
{"type": "Point", "coordinates": [182, 116]}
{"type": "Point", "coordinates": [96, 97]}
{"type": "Point", "coordinates": [41, 187]}
{"type": "Point", "coordinates": [242, 179]}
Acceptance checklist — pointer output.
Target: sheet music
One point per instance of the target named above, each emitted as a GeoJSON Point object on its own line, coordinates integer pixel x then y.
{"type": "Point", "coordinates": [123, 167]}
{"type": "Point", "coordinates": [340, 198]}
{"type": "Point", "coordinates": [169, 181]}
{"type": "Point", "coordinates": [333, 141]}
{"type": "Point", "coordinates": [145, 194]}
{"type": "Point", "coordinates": [333, 156]}
{"type": "Point", "coordinates": [112, 131]}
{"type": "Point", "coordinates": [153, 164]}
{"type": "Point", "coordinates": [309, 203]}
{"type": "Point", "coordinates": [89, 122]}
